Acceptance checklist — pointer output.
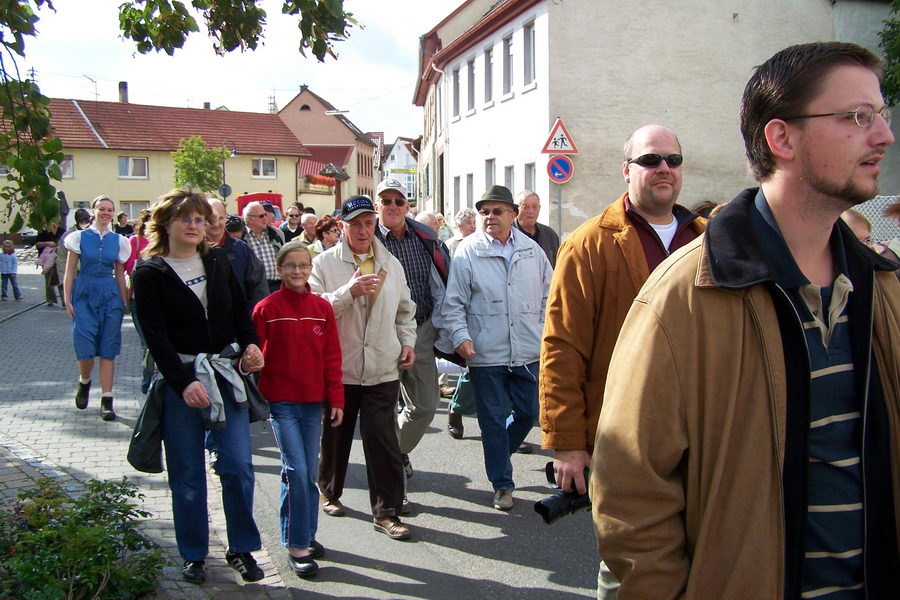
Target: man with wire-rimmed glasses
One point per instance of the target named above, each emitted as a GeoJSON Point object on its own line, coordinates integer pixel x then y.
{"type": "Point", "coordinates": [749, 444]}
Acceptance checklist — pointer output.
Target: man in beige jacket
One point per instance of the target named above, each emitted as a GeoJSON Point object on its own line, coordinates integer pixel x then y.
{"type": "Point", "coordinates": [366, 287]}
{"type": "Point", "coordinates": [748, 445]}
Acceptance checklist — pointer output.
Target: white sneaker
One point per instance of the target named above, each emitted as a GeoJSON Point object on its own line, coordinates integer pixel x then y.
{"type": "Point", "coordinates": [503, 499]}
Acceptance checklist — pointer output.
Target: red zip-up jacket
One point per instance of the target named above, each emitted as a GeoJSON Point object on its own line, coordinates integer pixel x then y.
{"type": "Point", "coordinates": [299, 339]}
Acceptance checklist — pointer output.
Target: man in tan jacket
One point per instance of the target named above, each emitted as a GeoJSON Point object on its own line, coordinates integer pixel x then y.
{"type": "Point", "coordinates": [599, 270]}
{"type": "Point", "coordinates": [748, 445]}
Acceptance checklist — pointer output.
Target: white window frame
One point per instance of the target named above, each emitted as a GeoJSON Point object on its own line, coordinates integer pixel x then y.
{"type": "Point", "coordinates": [509, 178]}
{"type": "Point", "coordinates": [456, 190]}
{"type": "Point", "coordinates": [470, 190]}
{"type": "Point", "coordinates": [259, 164]}
{"type": "Point", "coordinates": [133, 208]}
{"type": "Point", "coordinates": [528, 60]}
{"type": "Point", "coordinates": [67, 166]}
{"type": "Point", "coordinates": [490, 172]}
{"type": "Point", "coordinates": [489, 75]}
{"type": "Point", "coordinates": [455, 83]}
{"type": "Point", "coordinates": [508, 64]}
{"type": "Point", "coordinates": [470, 85]}
{"type": "Point", "coordinates": [132, 160]}
{"type": "Point", "coordinates": [530, 173]}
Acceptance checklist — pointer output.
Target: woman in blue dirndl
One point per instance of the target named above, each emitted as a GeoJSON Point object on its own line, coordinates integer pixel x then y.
{"type": "Point", "coordinates": [95, 296]}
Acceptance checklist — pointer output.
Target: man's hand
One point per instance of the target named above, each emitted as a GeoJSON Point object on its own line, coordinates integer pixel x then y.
{"type": "Point", "coordinates": [337, 416]}
{"type": "Point", "coordinates": [195, 395]}
{"type": "Point", "coordinates": [252, 360]}
{"type": "Point", "coordinates": [569, 466]}
{"type": "Point", "coordinates": [363, 285]}
{"type": "Point", "coordinates": [407, 357]}
{"type": "Point", "coordinates": [466, 349]}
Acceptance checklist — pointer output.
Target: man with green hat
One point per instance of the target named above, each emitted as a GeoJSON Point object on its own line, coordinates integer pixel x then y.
{"type": "Point", "coordinates": [494, 312]}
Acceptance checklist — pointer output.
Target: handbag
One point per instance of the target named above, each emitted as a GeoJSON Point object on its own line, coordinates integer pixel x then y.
{"type": "Point", "coordinates": [47, 260]}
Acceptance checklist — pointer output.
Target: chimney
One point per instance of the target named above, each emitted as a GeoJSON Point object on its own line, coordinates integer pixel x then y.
{"type": "Point", "coordinates": [206, 105]}
{"type": "Point", "coordinates": [123, 92]}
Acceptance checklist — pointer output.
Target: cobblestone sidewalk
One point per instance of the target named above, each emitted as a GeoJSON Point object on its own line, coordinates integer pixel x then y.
{"type": "Point", "coordinates": [43, 435]}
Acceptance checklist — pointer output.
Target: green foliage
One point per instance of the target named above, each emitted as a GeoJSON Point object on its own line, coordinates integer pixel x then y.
{"type": "Point", "coordinates": [54, 547]}
{"type": "Point", "coordinates": [890, 44]}
{"type": "Point", "coordinates": [197, 165]}
{"type": "Point", "coordinates": [165, 24]}
{"type": "Point", "coordinates": [28, 145]}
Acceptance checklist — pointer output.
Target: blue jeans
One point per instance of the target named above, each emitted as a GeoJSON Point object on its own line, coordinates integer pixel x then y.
{"type": "Point", "coordinates": [298, 433]}
{"type": "Point", "coordinates": [502, 431]}
{"type": "Point", "coordinates": [11, 278]}
{"type": "Point", "coordinates": [183, 434]}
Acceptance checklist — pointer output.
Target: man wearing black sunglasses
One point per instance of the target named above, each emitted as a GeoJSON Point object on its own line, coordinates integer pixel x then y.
{"type": "Point", "coordinates": [426, 263]}
{"type": "Point", "coordinates": [749, 444]}
{"type": "Point", "coordinates": [599, 270]}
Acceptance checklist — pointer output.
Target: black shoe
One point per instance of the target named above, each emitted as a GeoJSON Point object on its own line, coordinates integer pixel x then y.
{"type": "Point", "coordinates": [525, 448]}
{"type": "Point", "coordinates": [455, 425]}
{"type": "Point", "coordinates": [316, 550]}
{"type": "Point", "coordinates": [245, 564]}
{"type": "Point", "coordinates": [194, 571]}
{"type": "Point", "coordinates": [106, 409]}
{"type": "Point", "coordinates": [82, 395]}
{"type": "Point", "coordinates": [303, 566]}
{"type": "Point", "coordinates": [407, 466]}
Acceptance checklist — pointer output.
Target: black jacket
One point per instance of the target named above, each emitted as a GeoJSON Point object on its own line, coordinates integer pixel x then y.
{"type": "Point", "coordinates": [173, 319]}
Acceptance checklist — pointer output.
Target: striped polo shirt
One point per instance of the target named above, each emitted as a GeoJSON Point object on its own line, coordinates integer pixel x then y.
{"type": "Point", "coordinates": [833, 563]}
{"type": "Point", "coordinates": [834, 529]}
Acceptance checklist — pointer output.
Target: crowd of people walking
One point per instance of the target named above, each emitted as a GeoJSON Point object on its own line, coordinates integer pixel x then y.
{"type": "Point", "coordinates": [687, 370]}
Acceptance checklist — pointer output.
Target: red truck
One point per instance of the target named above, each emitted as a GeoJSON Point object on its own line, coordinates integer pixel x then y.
{"type": "Point", "coordinates": [275, 199]}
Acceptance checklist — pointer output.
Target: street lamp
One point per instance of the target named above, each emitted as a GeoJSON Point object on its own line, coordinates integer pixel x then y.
{"type": "Point", "coordinates": [225, 189]}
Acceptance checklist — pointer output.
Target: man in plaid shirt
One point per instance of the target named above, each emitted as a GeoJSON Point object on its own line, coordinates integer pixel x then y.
{"type": "Point", "coordinates": [263, 240]}
{"type": "Point", "coordinates": [425, 263]}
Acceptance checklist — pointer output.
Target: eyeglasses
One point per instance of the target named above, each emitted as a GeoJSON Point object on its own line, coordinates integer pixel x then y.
{"type": "Point", "coordinates": [187, 221]}
{"type": "Point", "coordinates": [389, 201]}
{"type": "Point", "coordinates": [292, 215]}
{"type": "Point", "coordinates": [296, 267]}
{"type": "Point", "coordinates": [496, 211]}
{"type": "Point", "coordinates": [259, 216]}
{"type": "Point", "coordinates": [864, 115]}
{"type": "Point", "coordinates": [652, 160]}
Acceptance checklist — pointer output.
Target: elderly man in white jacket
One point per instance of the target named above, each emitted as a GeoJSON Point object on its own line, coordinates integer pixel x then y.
{"type": "Point", "coordinates": [494, 311]}
{"type": "Point", "coordinates": [376, 323]}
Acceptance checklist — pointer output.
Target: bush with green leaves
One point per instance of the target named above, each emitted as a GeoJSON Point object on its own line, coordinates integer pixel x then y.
{"type": "Point", "coordinates": [53, 546]}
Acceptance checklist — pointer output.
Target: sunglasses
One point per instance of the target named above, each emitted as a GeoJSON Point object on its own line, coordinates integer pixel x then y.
{"type": "Point", "coordinates": [497, 211]}
{"type": "Point", "coordinates": [653, 160]}
{"type": "Point", "coordinates": [389, 201]}
{"type": "Point", "coordinates": [292, 215]}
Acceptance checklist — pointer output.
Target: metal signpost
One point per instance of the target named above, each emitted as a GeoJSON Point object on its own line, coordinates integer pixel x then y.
{"type": "Point", "coordinates": [560, 168]}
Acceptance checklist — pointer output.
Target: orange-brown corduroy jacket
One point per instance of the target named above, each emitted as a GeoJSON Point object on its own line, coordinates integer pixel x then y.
{"type": "Point", "coordinates": [599, 270]}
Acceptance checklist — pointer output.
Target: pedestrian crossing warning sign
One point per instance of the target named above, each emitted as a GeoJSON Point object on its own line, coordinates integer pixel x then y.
{"type": "Point", "coordinates": [560, 140]}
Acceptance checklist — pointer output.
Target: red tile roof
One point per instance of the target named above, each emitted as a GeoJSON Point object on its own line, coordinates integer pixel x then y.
{"type": "Point", "coordinates": [124, 126]}
{"type": "Point", "coordinates": [337, 155]}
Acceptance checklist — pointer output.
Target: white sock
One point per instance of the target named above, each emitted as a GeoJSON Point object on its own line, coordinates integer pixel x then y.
{"type": "Point", "coordinates": [107, 395]}
{"type": "Point", "coordinates": [84, 381]}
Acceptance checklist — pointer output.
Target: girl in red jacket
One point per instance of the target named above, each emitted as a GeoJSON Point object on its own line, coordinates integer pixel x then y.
{"type": "Point", "coordinates": [299, 339]}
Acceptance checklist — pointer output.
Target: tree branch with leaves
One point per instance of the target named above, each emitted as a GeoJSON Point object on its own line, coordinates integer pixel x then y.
{"type": "Point", "coordinates": [28, 146]}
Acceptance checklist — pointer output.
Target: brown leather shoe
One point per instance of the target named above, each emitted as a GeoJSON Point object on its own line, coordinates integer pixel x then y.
{"type": "Point", "coordinates": [455, 425]}
{"type": "Point", "coordinates": [333, 508]}
{"type": "Point", "coordinates": [392, 527]}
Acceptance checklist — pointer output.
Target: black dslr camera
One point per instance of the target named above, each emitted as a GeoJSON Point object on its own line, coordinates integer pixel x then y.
{"type": "Point", "coordinates": [561, 503]}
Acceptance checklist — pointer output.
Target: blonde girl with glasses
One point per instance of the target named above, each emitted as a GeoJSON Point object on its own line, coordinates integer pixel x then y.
{"type": "Point", "coordinates": [302, 382]}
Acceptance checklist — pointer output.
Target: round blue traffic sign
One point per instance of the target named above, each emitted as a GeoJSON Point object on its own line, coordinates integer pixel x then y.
{"type": "Point", "coordinates": [560, 168]}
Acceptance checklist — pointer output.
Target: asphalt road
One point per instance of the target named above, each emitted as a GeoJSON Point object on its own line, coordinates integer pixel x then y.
{"type": "Point", "coordinates": [461, 547]}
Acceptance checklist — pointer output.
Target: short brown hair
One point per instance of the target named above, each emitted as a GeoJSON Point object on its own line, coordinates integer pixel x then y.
{"type": "Point", "coordinates": [324, 224]}
{"type": "Point", "coordinates": [783, 86]}
{"type": "Point", "coordinates": [176, 203]}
